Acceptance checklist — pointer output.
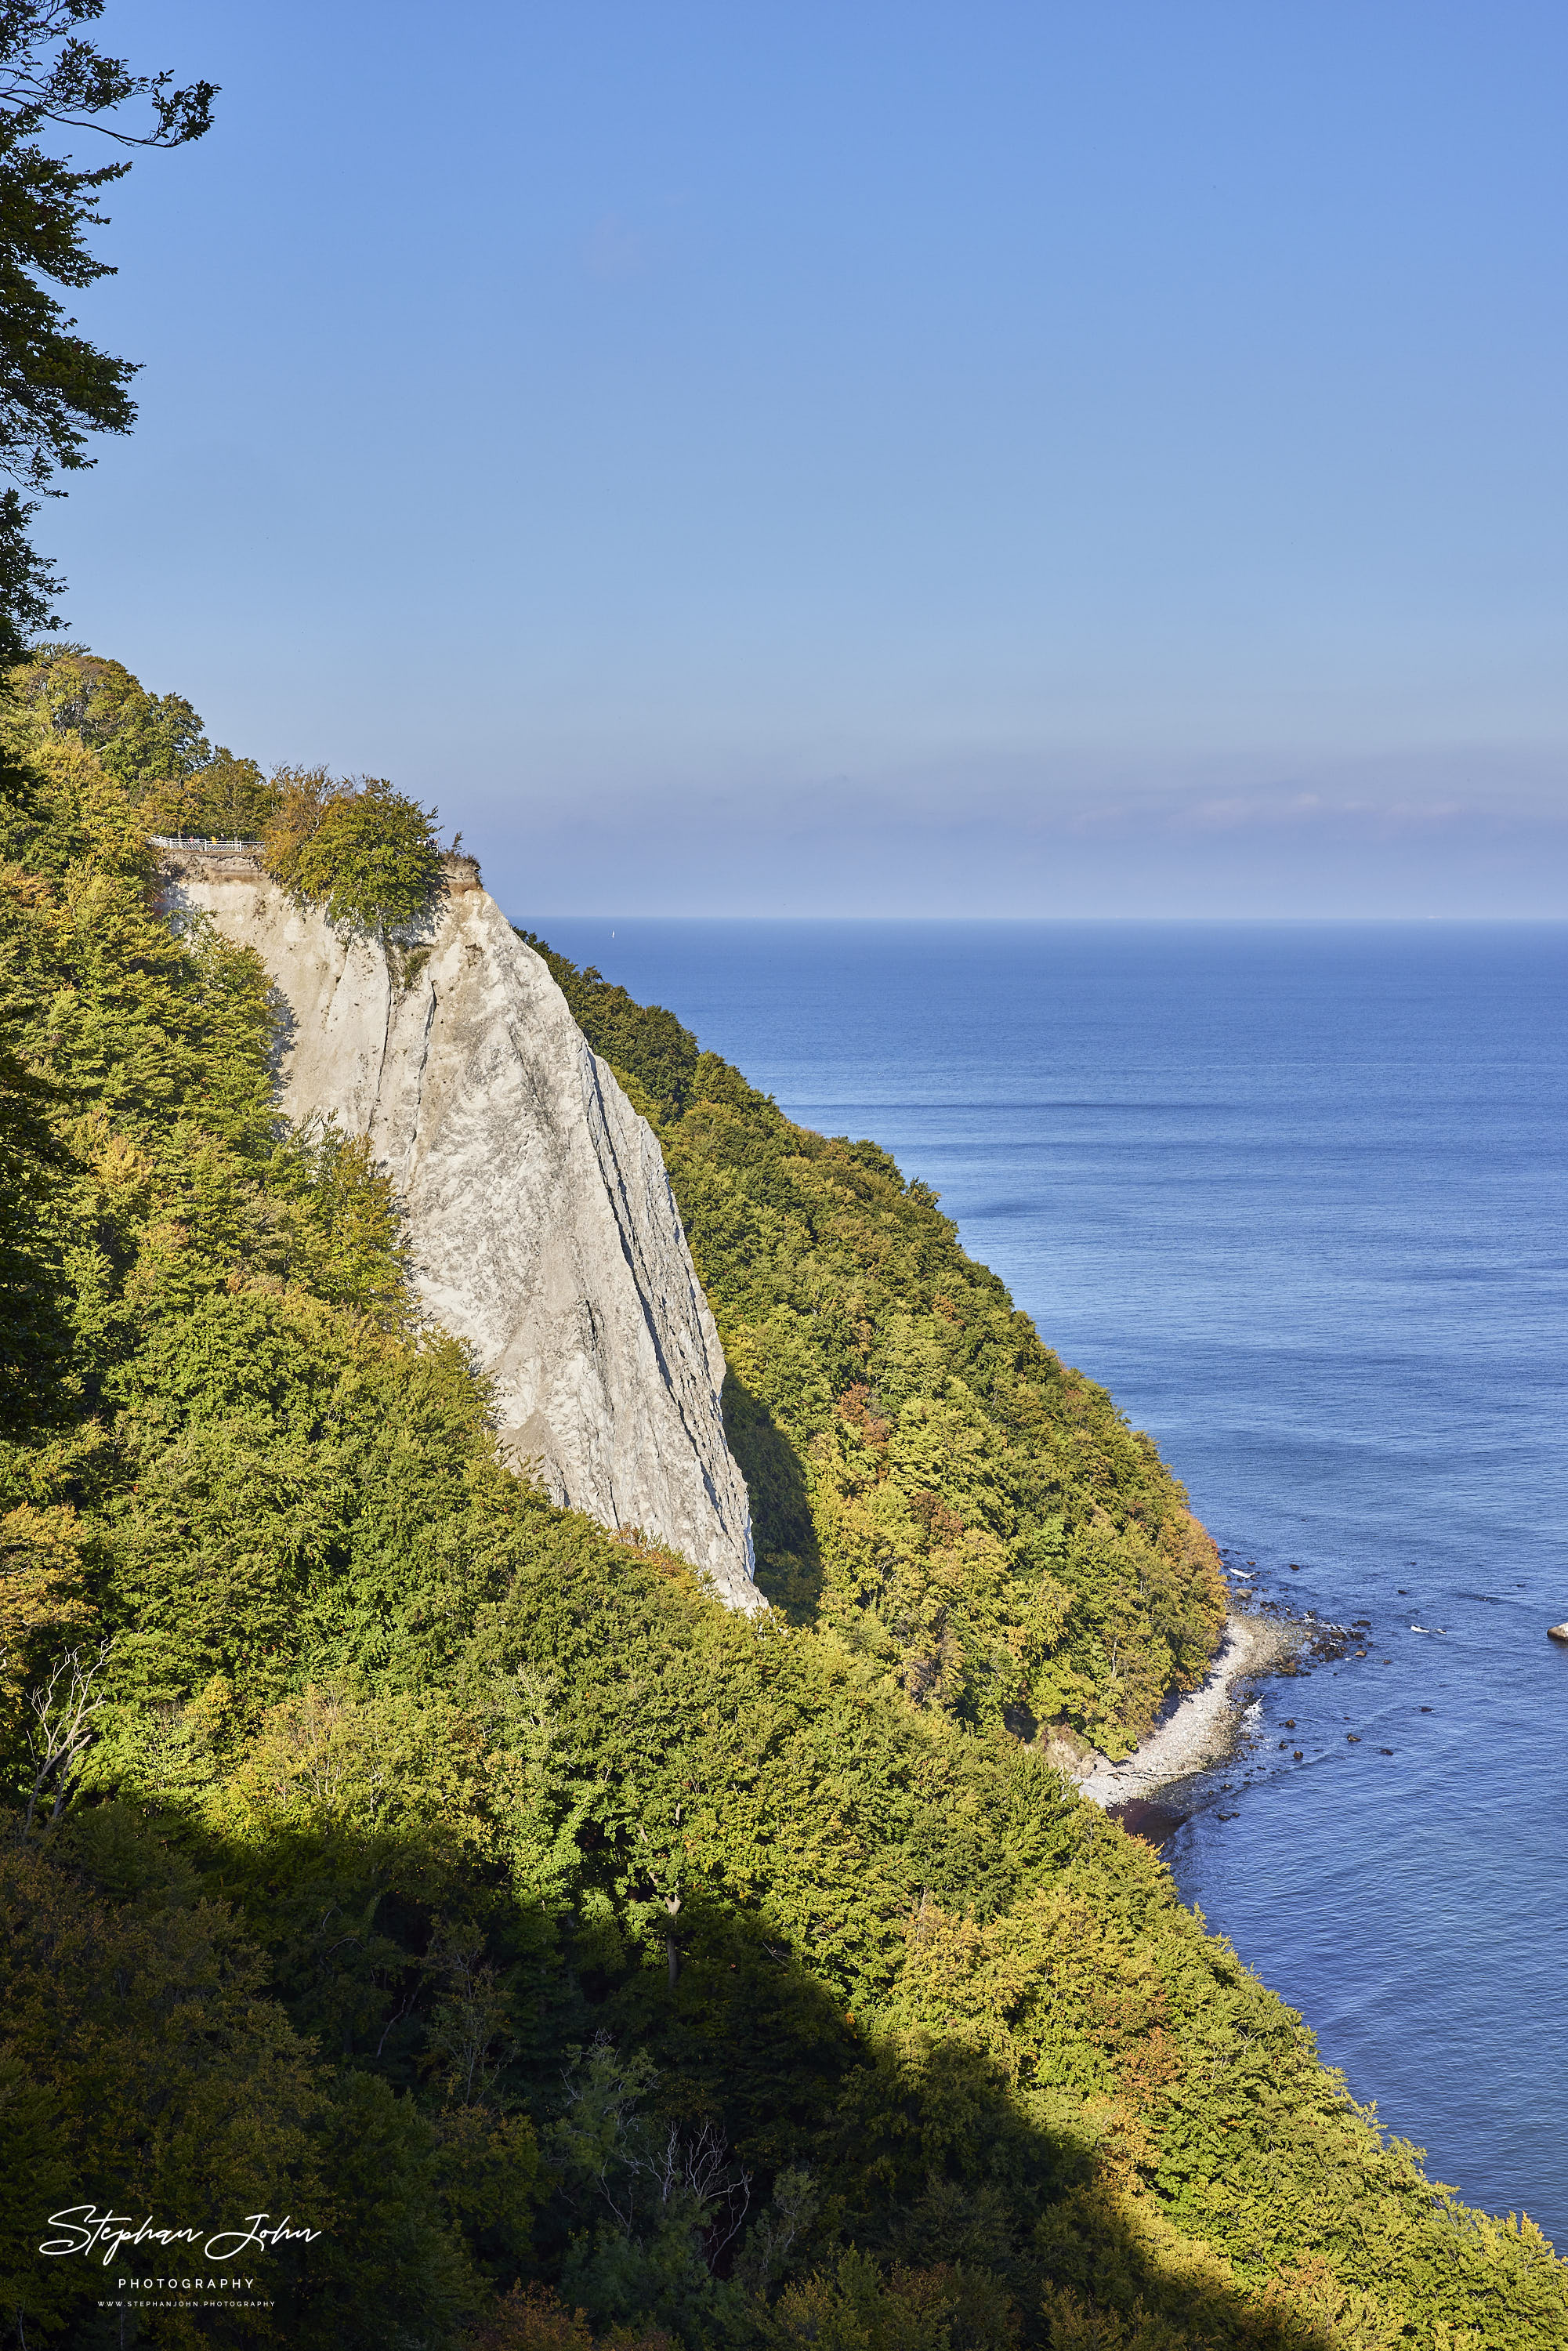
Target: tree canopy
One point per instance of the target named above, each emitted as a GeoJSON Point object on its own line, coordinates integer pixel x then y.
{"type": "Point", "coordinates": [353, 1903]}
{"type": "Point", "coordinates": [153, 743]}
{"type": "Point", "coordinates": [924, 1474]}
{"type": "Point", "coordinates": [360, 850]}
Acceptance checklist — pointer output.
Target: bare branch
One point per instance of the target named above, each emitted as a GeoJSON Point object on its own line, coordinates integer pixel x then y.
{"type": "Point", "coordinates": [65, 1707]}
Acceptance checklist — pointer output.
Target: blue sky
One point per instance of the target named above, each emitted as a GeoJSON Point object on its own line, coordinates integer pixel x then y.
{"type": "Point", "coordinates": [1016, 459]}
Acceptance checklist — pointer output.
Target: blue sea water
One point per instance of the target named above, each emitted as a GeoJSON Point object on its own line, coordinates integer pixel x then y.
{"type": "Point", "coordinates": [1296, 1194]}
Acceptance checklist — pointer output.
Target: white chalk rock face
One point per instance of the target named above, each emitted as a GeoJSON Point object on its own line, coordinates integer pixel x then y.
{"type": "Point", "coordinates": [544, 1230]}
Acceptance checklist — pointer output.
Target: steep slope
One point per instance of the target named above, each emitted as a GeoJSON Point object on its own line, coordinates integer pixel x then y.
{"type": "Point", "coordinates": [469, 1885]}
{"type": "Point", "coordinates": [925, 1473]}
{"type": "Point", "coordinates": [544, 1231]}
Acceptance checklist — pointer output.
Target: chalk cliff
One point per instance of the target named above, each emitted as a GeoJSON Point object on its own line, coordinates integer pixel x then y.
{"type": "Point", "coordinates": [543, 1225]}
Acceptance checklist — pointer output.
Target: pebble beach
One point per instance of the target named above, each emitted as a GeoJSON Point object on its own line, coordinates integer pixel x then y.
{"type": "Point", "coordinates": [1200, 1727]}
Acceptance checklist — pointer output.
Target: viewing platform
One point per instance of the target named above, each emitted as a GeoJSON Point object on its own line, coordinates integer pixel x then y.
{"type": "Point", "coordinates": [199, 856]}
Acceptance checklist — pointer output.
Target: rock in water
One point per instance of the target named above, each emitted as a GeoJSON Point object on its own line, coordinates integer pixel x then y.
{"type": "Point", "coordinates": [1557, 1632]}
{"type": "Point", "coordinates": [544, 1230]}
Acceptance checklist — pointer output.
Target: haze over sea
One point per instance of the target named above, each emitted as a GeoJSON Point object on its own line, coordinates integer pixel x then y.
{"type": "Point", "coordinates": [1296, 1194]}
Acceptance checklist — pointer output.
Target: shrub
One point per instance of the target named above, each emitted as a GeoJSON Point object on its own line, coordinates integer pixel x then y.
{"type": "Point", "coordinates": [362, 850]}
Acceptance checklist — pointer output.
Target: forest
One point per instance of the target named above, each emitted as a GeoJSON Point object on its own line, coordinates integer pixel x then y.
{"type": "Point", "coordinates": [924, 1475]}
{"type": "Point", "coordinates": [381, 1841]}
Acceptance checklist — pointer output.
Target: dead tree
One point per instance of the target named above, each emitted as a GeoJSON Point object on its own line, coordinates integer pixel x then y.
{"type": "Point", "coordinates": [65, 1706]}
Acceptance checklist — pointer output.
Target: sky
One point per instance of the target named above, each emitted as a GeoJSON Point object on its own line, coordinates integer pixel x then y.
{"type": "Point", "coordinates": [791, 459]}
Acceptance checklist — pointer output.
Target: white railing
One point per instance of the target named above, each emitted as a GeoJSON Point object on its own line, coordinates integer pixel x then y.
{"type": "Point", "coordinates": [201, 840]}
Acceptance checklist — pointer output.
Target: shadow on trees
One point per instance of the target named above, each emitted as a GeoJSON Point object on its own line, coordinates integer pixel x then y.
{"type": "Point", "coordinates": [460, 2090]}
{"type": "Point", "coordinates": [788, 1567]}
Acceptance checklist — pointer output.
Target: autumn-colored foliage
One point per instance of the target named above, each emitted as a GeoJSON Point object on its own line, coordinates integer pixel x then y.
{"type": "Point", "coordinates": [586, 1967]}
{"type": "Point", "coordinates": [924, 1474]}
{"type": "Point", "coordinates": [534, 2318]}
{"type": "Point", "coordinates": [363, 852]}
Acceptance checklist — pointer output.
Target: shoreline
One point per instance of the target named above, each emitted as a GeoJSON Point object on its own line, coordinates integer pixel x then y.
{"type": "Point", "coordinates": [1202, 1725]}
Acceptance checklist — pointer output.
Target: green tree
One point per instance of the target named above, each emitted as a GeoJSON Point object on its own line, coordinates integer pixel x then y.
{"type": "Point", "coordinates": [359, 1899]}
{"type": "Point", "coordinates": [57, 387]}
{"type": "Point", "coordinates": [362, 852]}
{"type": "Point", "coordinates": [153, 743]}
{"type": "Point", "coordinates": [923, 1473]}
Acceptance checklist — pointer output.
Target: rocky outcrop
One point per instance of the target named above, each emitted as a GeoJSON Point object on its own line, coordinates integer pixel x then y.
{"type": "Point", "coordinates": [543, 1226]}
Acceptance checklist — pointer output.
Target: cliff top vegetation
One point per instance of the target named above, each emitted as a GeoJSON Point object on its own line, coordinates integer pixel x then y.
{"type": "Point", "coordinates": [591, 1967]}
{"type": "Point", "coordinates": [364, 854]}
{"type": "Point", "coordinates": [63, 696]}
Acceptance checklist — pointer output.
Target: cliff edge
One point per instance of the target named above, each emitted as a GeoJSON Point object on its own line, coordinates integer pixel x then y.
{"type": "Point", "coordinates": [544, 1230]}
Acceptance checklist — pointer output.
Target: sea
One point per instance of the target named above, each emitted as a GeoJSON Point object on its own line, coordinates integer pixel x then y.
{"type": "Point", "coordinates": [1297, 1194]}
